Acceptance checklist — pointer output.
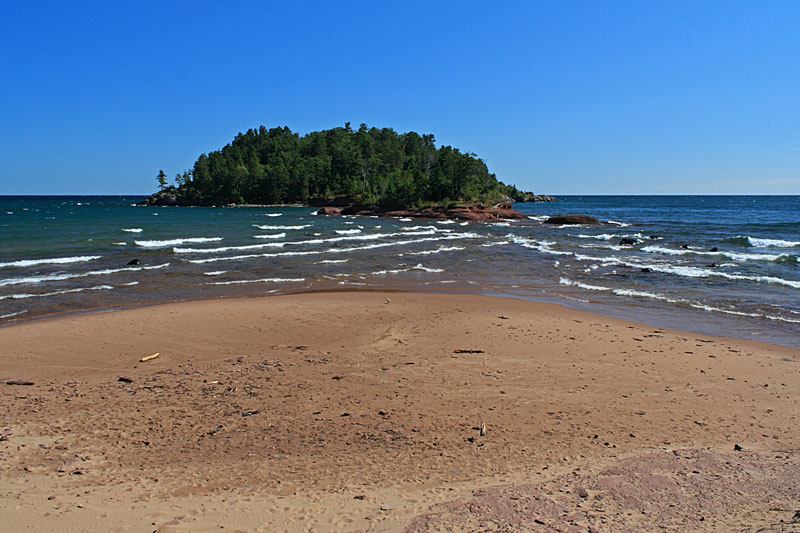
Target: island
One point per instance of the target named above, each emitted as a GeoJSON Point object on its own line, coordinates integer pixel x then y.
{"type": "Point", "coordinates": [363, 171]}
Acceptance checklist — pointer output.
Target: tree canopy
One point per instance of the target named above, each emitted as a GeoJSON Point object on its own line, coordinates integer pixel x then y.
{"type": "Point", "coordinates": [371, 166]}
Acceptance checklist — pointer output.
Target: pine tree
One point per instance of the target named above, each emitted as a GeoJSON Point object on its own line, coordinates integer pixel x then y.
{"type": "Point", "coordinates": [161, 178]}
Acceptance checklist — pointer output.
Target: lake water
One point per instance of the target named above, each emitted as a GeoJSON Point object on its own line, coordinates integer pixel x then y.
{"type": "Point", "coordinates": [70, 254]}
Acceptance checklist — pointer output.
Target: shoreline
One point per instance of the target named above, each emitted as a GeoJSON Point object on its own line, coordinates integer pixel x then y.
{"type": "Point", "coordinates": [652, 317]}
{"type": "Point", "coordinates": [347, 412]}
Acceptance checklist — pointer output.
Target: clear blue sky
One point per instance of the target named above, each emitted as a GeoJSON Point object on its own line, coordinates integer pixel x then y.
{"type": "Point", "coordinates": [678, 97]}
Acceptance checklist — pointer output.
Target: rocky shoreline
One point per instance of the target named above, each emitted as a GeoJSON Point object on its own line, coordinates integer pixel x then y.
{"type": "Point", "coordinates": [470, 213]}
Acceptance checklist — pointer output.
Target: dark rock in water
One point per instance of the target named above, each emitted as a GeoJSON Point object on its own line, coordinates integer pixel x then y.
{"type": "Point", "coordinates": [653, 237]}
{"type": "Point", "coordinates": [713, 265]}
{"type": "Point", "coordinates": [628, 241]}
{"type": "Point", "coordinates": [647, 270]}
{"type": "Point", "coordinates": [684, 246]}
{"type": "Point", "coordinates": [572, 220]}
{"type": "Point", "coordinates": [714, 249]}
{"type": "Point", "coordinates": [329, 211]}
{"type": "Point", "coordinates": [133, 262]}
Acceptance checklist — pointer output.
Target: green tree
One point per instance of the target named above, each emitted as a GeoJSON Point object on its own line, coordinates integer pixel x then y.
{"type": "Point", "coordinates": [375, 166]}
{"type": "Point", "coordinates": [161, 178]}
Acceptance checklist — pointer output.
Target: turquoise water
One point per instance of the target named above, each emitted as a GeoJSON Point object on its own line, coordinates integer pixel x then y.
{"type": "Point", "coordinates": [70, 254]}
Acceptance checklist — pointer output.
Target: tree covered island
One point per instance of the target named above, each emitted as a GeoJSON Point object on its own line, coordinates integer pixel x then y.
{"type": "Point", "coordinates": [366, 168]}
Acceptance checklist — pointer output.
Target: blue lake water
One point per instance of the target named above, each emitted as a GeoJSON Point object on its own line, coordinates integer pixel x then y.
{"type": "Point", "coordinates": [70, 254]}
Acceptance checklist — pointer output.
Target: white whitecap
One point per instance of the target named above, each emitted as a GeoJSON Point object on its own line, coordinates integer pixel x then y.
{"type": "Point", "coordinates": [13, 314]}
{"type": "Point", "coordinates": [61, 277]}
{"type": "Point", "coordinates": [348, 231]}
{"type": "Point", "coordinates": [54, 293]}
{"type": "Point", "coordinates": [174, 242]}
{"type": "Point", "coordinates": [771, 243]}
{"type": "Point", "coordinates": [264, 280]}
{"type": "Point", "coordinates": [270, 236]}
{"type": "Point", "coordinates": [435, 251]}
{"type": "Point", "coordinates": [48, 261]}
{"type": "Point", "coordinates": [304, 226]}
{"type": "Point", "coordinates": [133, 230]}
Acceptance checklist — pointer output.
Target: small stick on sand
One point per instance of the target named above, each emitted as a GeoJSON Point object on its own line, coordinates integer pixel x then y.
{"type": "Point", "coordinates": [147, 358]}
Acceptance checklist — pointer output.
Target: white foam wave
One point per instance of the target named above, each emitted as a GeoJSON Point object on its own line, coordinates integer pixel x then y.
{"type": "Point", "coordinates": [404, 219]}
{"type": "Point", "coordinates": [735, 256]}
{"type": "Point", "coordinates": [436, 251]}
{"type": "Point", "coordinates": [60, 277]}
{"type": "Point", "coordinates": [270, 236]}
{"type": "Point", "coordinates": [495, 243]}
{"type": "Point", "coordinates": [215, 273]}
{"type": "Point", "coordinates": [175, 242]}
{"type": "Point", "coordinates": [535, 245]}
{"type": "Point", "coordinates": [273, 214]}
{"type": "Point", "coordinates": [620, 292]}
{"type": "Point", "coordinates": [407, 269]}
{"type": "Point", "coordinates": [13, 314]}
{"type": "Point", "coordinates": [602, 236]}
{"type": "Point", "coordinates": [418, 228]}
{"type": "Point", "coordinates": [501, 224]}
{"type": "Point", "coordinates": [266, 227]}
{"type": "Point", "coordinates": [228, 248]}
{"type": "Point", "coordinates": [653, 296]}
{"type": "Point", "coordinates": [332, 261]}
{"type": "Point", "coordinates": [337, 250]}
{"type": "Point", "coordinates": [620, 224]}
{"type": "Point", "coordinates": [55, 293]}
{"type": "Point", "coordinates": [348, 231]}
{"type": "Point", "coordinates": [132, 230]}
{"type": "Point", "coordinates": [265, 280]}
{"type": "Point", "coordinates": [367, 237]}
{"type": "Point", "coordinates": [445, 222]}
{"type": "Point", "coordinates": [772, 243]}
{"type": "Point", "coordinates": [49, 261]}
{"type": "Point", "coordinates": [538, 217]}
{"type": "Point", "coordinates": [120, 243]}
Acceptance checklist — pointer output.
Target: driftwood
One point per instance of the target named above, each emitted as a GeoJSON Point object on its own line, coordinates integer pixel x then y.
{"type": "Point", "coordinates": [147, 358]}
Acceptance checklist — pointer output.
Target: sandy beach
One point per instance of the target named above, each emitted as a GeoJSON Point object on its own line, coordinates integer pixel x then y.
{"type": "Point", "coordinates": [379, 411]}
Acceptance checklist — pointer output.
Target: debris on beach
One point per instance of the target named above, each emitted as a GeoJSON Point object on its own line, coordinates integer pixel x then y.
{"type": "Point", "coordinates": [19, 382]}
{"type": "Point", "coordinates": [149, 357]}
{"type": "Point", "coordinates": [467, 351]}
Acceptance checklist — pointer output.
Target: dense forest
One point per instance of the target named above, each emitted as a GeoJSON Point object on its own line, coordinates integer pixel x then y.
{"type": "Point", "coordinates": [369, 166]}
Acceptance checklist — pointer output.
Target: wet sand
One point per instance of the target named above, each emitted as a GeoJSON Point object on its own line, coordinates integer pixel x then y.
{"type": "Point", "coordinates": [343, 411]}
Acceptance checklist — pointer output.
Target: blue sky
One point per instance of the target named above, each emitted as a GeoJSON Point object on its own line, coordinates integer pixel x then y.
{"type": "Point", "coordinates": [673, 97]}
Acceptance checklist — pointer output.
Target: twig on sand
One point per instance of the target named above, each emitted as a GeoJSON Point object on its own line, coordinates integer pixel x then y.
{"type": "Point", "coordinates": [148, 357]}
{"type": "Point", "coordinates": [467, 351]}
